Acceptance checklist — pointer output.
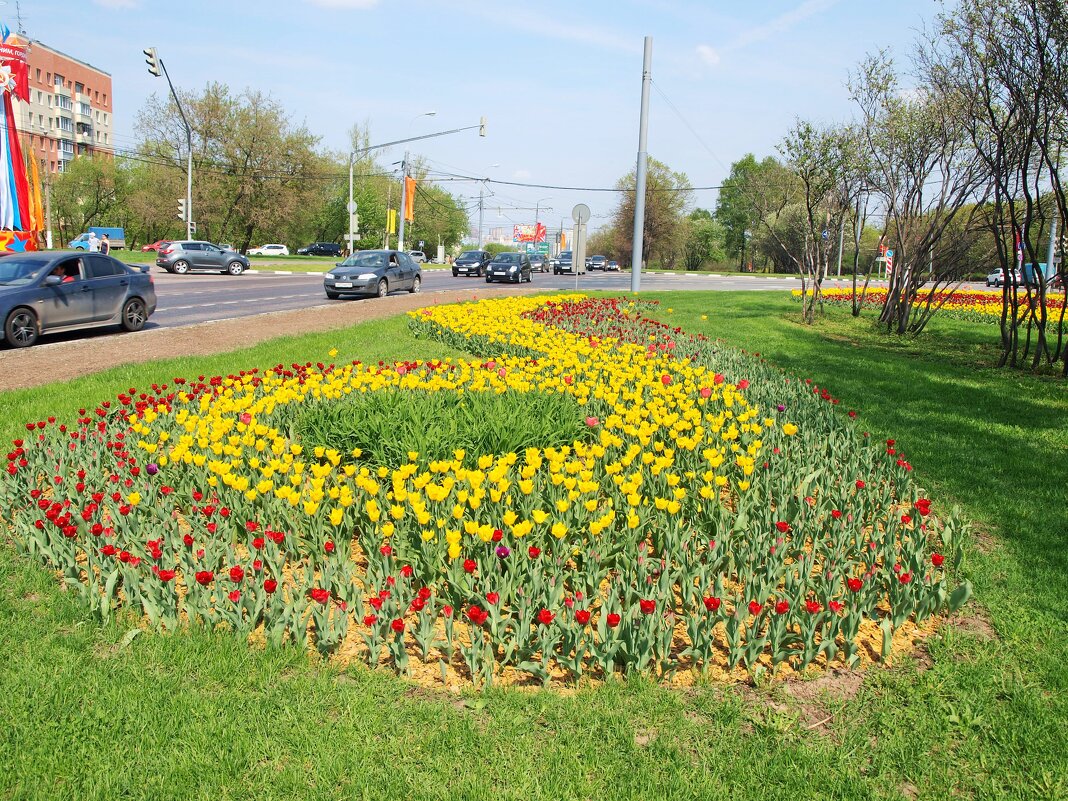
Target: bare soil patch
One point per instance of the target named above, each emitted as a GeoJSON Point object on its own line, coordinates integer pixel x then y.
{"type": "Point", "coordinates": [63, 361]}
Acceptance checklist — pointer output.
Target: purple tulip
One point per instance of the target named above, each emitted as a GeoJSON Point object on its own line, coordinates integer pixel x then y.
{"type": "Point", "coordinates": [503, 551]}
{"type": "Point", "coordinates": [781, 407]}
{"type": "Point", "coordinates": [152, 468]}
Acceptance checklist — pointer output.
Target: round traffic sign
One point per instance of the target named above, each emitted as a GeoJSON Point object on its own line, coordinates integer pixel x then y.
{"type": "Point", "coordinates": [581, 213]}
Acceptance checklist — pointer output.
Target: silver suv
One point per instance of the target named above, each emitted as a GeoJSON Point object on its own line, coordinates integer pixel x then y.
{"type": "Point", "coordinates": [187, 255]}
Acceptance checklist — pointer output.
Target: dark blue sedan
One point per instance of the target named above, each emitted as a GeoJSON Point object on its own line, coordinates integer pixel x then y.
{"type": "Point", "coordinates": [63, 291]}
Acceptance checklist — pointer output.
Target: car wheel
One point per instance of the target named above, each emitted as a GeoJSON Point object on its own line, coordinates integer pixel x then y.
{"type": "Point", "coordinates": [134, 314]}
{"type": "Point", "coordinates": [180, 267]}
{"type": "Point", "coordinates": [455, 274]}
{"type": "Point", "coordinates": [332, 295]}
{"type": "Point", "coordinates": [383, 287]}
{"type": "Point", "coordinates": [20, 328]}
{"type": "Point", "coordinates": [235, 268]}
{"type": "Point", "coordinates": [489, 280]}
{"type": "Point", "coordinates": [416, 285]}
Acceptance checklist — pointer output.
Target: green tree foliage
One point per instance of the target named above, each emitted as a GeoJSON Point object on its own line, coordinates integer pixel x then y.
{"type": "Point", "coordinates": [88, 192]}
{"type": "Point", "coordinates": [703, 240]}
{"type": "Point", "coordinates": [667, 196]}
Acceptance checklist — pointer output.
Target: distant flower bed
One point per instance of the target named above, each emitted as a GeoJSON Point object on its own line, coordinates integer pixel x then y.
{"type": "Point", "coordinates": [979, 305]}
{"type": "Point", "coordinates": [688, 508]}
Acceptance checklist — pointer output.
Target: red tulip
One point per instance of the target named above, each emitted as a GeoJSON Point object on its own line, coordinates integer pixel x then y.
{"type": "Point", "coordinates": [545, 617]}
{"type": "Point", "coordinates": [270, 585]}
{"type": "Point", "coordinates": [492, 598]}
{"type": "Point", "coordinates": [647, 606]}
{"type": "Point", "coordinates": [319, 595]}
{"type": "Point", "coordinates": [612, 620]}
{"type": "Point", "coordinates": [165, 575]}
{"type": "Point", "coordinates": [370, 620]}
{"type": "Point", "coordinates": [937, 559]}
{"type": "Point", "coordinates": [755, 607]}
{"type": "Point", "coordinates": [782, 526]}
{"type": "Point", "coordinates": [236, 574]}
{"type": "Point", "coordinates": [329, 546]}
{"type": "Point", "coordinates": [477, 615]}
{"type": "Point", "coordinates": [712, 604]}
{"type": "Point", "coordinates": [469, 565]}
{"type": "Point", "coordinates": [855, 584]}
{"type": "Point", "coordinates": [235, 596]}
{"type": "Point", "coordinates": [204, 577]}
{"type": "Point", "coordinates": [582, 616]}
{"type": "Point", "coordinates": [397, 625]}
{"type": "Point", "coordinates": [533, 552]}
{"type": "Point", "coordinates": [782, 607]}
{"type": "Point", "coordinates": [813, 607]}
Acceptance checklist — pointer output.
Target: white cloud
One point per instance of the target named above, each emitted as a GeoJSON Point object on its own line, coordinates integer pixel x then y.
{"type": "Point", "coordinates": [707, 54]}
{"type": "Point", "coordinates": [345, 5]}
{"type": "Point", "coordinates": [115, 5]}
{"type": "Point", "coordinates": [760, 33]}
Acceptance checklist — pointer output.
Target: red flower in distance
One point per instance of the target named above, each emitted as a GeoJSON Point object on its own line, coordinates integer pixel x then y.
{"type": "Point", "coordinates": [270, 585]}
{"type": "Point", "coordinates": [370, 620]}
{"type": "Point", "coordinates": [407, 571]}
{"type": "Point", "coordinates": [835, 606]}
{"type": "Point", "coordinates": [236, 574]}
{"type": "Point", "coordinates": [446, 611]}
{"type": "Point", "coordinates": [375, 602]}
{"type": "Point", "coordinates": [782, 607]}
{"type": "Point", "coordinates": [836, 514]}
{"type": "Point", "coordinates": [905, 578]}
{"type": "Point", "coordinates": [937, 559]}
{"type": "Point", "coordinates": [319, 595]}
{"type": "Point", "coordinates": [417, 604]}
{"type": "Point", "coordinates": [582, 616]}
{"type": "Point", "coordinates": [329, 546]}
{"type": "Point", "coordinates": [187, 540]}
{"type": "Point", "coordinates": [755, 607]}
{"type": "Point", "coordinates": [277, 537]}
{"type": "Point", "coordinates": [855, 584]}
{"type": "Point", "coordinates": [109, 550]}
{"type": "Point", "coordinates": [492, 597]}
{"type": "Point", "coordinates": [257, 543]}
{"type": "Point", "coordinates": [533, 552]}
{"type": "Point", "coordinates": [706, 392]}
{"type": "Point", "coordinates": [165, 575]}
{"type": "Point", "coordinates": [385, 550]}
{"type": "Point", "coordinates": [743, 384]}
{"type": "Point", "coordinates": [498, 535]}
{"type": "Point", "coordinates": [204, 577]}
{"type": "Point", "coordinates": [647, 606]}
{"type": "Point", "coordinates": [469, 565]}
{"type": "Point", "coordinates": [813, 607]}
{"type": "Point", "coordinates": [477, 615]}
{"type": "Point", "coordinates": [235, 596]}
{"type": "Point", "coordinates": [923, 506]}
{"type": "Point", "coordinates": [424, 593]}
{"type": "Point", "coordinates": [665, 379]}
{"type": "Point", "coordinates": [782, 526]}
{"type": "Point", "coordinates": [712, 603]}
{"type": "Point", "coordinates": [397, 625]}
{"type": "Point", "coordinates": [545, 617]}
{"type": "Point", "coordinates": [612, 620]}
{"type": "Point", "coordinates": [860, 484]}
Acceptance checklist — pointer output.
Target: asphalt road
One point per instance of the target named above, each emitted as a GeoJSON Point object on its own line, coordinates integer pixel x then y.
{"type": "Point", "coordinates": [204, 297]}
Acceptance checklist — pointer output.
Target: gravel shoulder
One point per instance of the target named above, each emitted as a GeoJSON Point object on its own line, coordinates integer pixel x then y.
{"type": "Point", "coordinates": [63, 361]}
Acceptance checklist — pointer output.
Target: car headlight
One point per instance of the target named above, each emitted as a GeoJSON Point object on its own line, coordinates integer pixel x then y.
{"type": "Point", "coordinates": [366, 276]}
{"type": "Point", "coordinates": [330, 276]}
{"type": "Point", "coordinates": [513, 268]}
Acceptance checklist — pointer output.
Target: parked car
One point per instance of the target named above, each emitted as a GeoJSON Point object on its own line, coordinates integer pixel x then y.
{"type": "Point", "coordinates": [539, 262]}
{"type": "Point", "coordinates": [154, 246]}
{"type": "Point", "coordinates": [373, 273]}
{"type": "Point", "coordinates": [48, 292]}
{"type": "Point", "coordinates": [471, 262]}
{"type": "Point", "coordinates": [598, 263]}
{"type": "Point", "coordinates": [613, 266]}
{"type": "Point", "coordinates": [417, 256]}
{"type": "Point", "coordinates": [997, 278]}
{"type": "Point", "coordinates": [116, 238]}
{"type": "Point", "coordinates": [319, 249]}
{"type": "Point", "coordinates": [514, 267]}
{"type": "Point", "coordinates": [564, 264]}
{"type": "Point", "coordinates": [269, 250]}
{"type": "Point", "coordinates": [184, 256]}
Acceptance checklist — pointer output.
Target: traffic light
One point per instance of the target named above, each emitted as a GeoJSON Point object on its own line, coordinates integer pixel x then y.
{"type": "Point", "coordinates": [192, 227]}
{"type": "Point", "coordinates": [152, 60]}
{"type": "Point", "coordinates": [482, 127]}
{"type": "Point", "coordinates": [181, 208]}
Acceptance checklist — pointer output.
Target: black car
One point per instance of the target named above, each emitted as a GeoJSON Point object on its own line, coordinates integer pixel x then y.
{"type": "Point", "coordinates": [320, 249]}
{"type": "Point", "coordinates": [564, 264]}
{"type": "Point", "coordinates": [471, 262]}
{"type": "Point", "coordinates": [187, 255]}
{"type": "Point", "coordinates": [539, 262]}
{"type": "Point", "coordinates": [373, 273]}
{"type": "Point", "coordinates": [514, 267]}
{"type": "Point", "coordinates": [598, 263]}
{"type": "Point", "coordinates": [62, 291]}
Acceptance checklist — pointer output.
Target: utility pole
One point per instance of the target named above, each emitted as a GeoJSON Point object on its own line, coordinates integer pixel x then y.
{"type": "Point", "coordinates": [639, 175]}
{"type": "Point", "coordinates": [481, 199]}
{"type": "Point", "coordinates": [841, 242]}
{"type": "Point", "coordinates": [352, 208]}
{"type": "Point", "coordinates": [404, 201]}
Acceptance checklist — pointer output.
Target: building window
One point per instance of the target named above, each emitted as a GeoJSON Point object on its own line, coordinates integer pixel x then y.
{"type": "Point", "coordinates": [96, 95]}
{"type": "Point", "coordinates": [38, 75]}
{"type": "Point", "coordinates": [50, 101]}
{"type": "Point", "coordinates": [79, 87]}
{"type": "Point", "coordinates": [59, 79]}
{"type": "Point", "coordinates": [105, 98]}
{"type": "Point", "coordinates": [85, 110]}
{"type": "Point", "coordinates": [49, 79]}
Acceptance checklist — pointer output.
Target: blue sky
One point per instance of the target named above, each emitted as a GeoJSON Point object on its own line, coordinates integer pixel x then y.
{"type": "Point", "coordinates": [558, 81]}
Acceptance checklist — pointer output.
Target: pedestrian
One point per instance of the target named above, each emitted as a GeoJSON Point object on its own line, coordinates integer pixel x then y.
{"type": "Point", "coordinates": [94, 243]}
{"type": "Point", "coordinates": [105, 244]}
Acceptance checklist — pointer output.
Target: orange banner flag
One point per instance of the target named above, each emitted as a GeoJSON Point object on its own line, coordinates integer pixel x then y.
{"type": "Point", "coordinates": [409, 199]}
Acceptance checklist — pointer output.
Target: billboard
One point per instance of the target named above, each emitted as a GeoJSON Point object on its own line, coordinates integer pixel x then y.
{"type": "Point", "coordinates": [528, 233]}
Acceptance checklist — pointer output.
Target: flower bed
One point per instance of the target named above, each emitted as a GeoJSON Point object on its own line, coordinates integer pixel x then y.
{"type": "Point", "coordinates": [712, 513]}
{"type": "Point", "coordinates": [978, 305]}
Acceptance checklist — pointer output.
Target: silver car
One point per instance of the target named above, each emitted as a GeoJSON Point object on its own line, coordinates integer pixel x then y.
{"type": "Point", "coordinates": [62, 291]}
{"type": "Point", "coordinates": [184, 256]}
{"type": "Point", "coordinates": [373, 273]}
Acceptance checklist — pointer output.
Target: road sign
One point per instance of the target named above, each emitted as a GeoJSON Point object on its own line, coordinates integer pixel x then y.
{"type": "Point", "coordinates": [420, 244]}
{"type": "Point", "coordinates": [826, 235]}
{"type": "Point", "coordinates": [352, 207]}
{"type": "Point", "coordinates": [889, 260]}
{"type": "Point", "coordinates": [580, 214]}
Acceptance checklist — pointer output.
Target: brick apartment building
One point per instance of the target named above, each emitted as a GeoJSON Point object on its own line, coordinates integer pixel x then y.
{"type": "Point", "coordinates": [70, 108]}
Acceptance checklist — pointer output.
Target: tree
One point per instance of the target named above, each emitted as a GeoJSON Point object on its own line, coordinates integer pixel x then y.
{"type": "Point", "coordinates": [926, 174]}
{"type": "Point", "coordinates": [703, 238]}
{"type": "Point", "coordinates": [667, 196]}
{"type": "Point", "coordinates": [90, 191]}
{"type": "Point", "coordinates": [254, 172]}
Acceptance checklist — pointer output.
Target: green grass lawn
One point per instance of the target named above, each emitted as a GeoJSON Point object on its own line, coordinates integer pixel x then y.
{"type": "Point", "coordinates": [981, 714]}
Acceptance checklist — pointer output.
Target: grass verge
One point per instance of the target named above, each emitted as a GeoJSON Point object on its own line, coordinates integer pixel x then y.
{"type": "Point", "coordinates": [981, 713]}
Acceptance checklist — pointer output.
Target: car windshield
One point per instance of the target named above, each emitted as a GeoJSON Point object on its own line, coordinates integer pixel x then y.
{"type": "Point", "coordinates": [507, 258]}
{"type": "Point", "coordinates": [16, 272]}
{"type": "Point", "coordinates": [375, 258]}
{"type": "Point", "coordinates": [565, 254]}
